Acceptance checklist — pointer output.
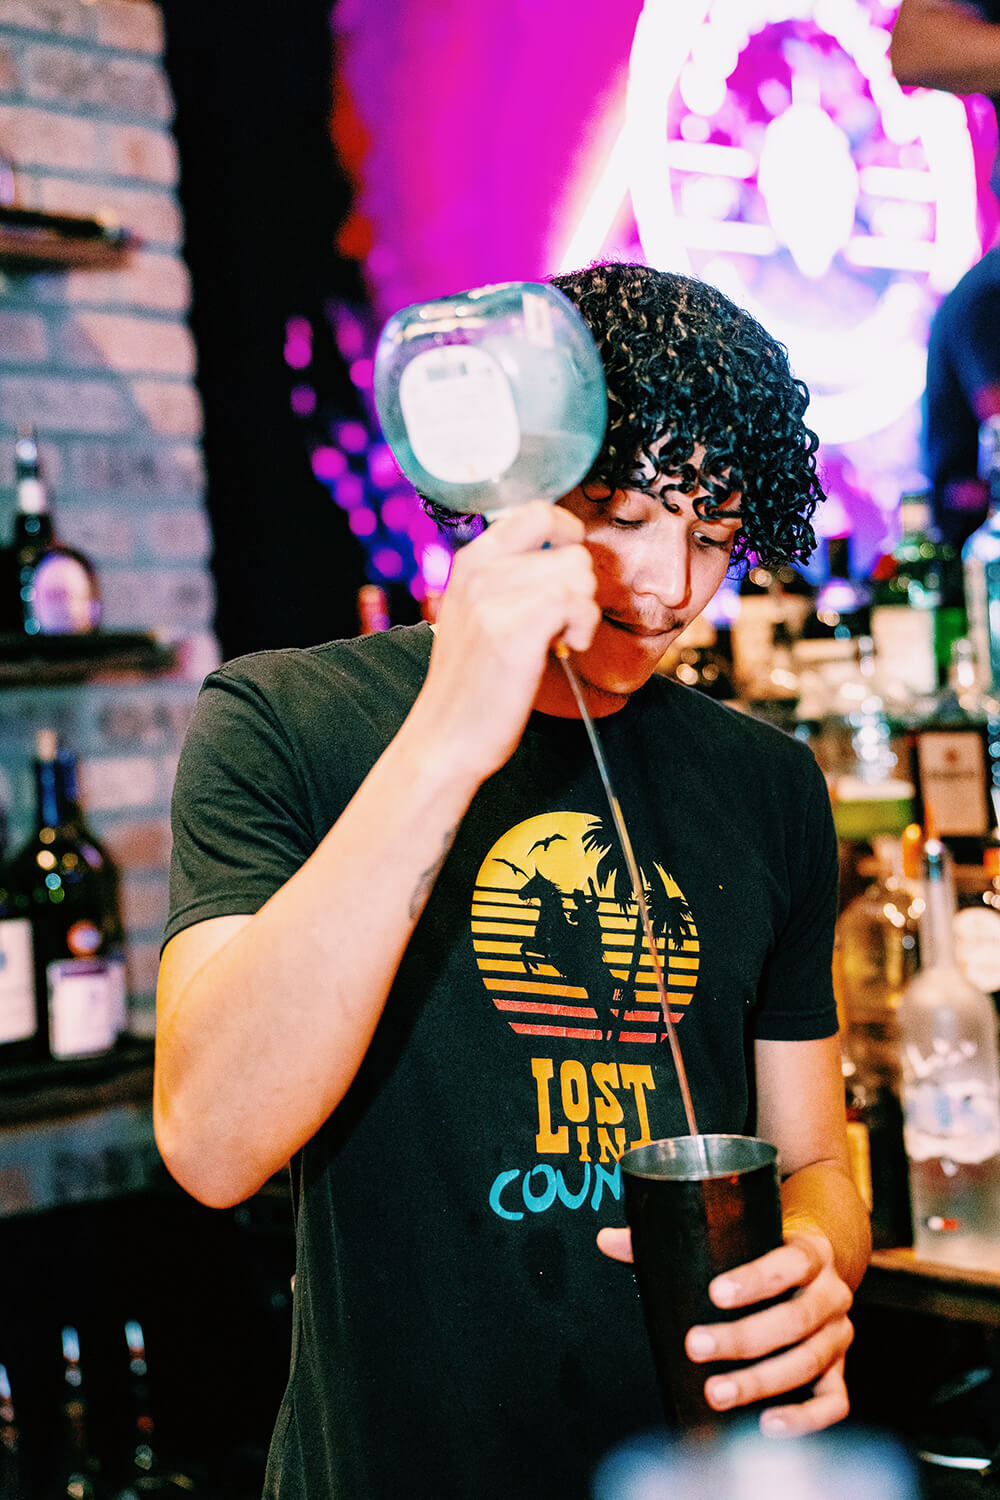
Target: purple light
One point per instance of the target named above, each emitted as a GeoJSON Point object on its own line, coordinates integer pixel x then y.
{"type": "Point", "coordinates": [435, 564]}
{"type": "Point", "coordinates": [382, 467]}
{"type": "Point", "coordinates": [361, 373]}
{"type": "Point", "coordinates": [362, 521]}
{"type": "Point", "coordinates": [350, 336]}
{"type": "Point", "coordinates": [352, 437]}
{"type": "Point", "coordinates": [349, 491]}
{"type": "Point", "coordinates": [303, 399]}
{"type": "Point", "coordinates": [388, 562]}
{"type": "Point", "coordinates": [298, 353]}
{"type": "Point", "coordinates": [328, 463]}
{"type": "Point", "coordinates": [396, 512]}
{"type": "Point", "coordinates": [299, 328]}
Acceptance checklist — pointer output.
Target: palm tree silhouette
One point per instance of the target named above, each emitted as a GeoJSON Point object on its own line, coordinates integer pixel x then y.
{"type": "Point", "coordinates": [611, 866]}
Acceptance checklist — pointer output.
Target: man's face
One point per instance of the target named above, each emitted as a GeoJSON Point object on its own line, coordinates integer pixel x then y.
{"type": "Point", "coordinates": [656, 570]}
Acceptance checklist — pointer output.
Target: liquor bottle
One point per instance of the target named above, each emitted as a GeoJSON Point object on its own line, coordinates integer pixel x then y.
{"type": "Point", "coordinates": [20, 1032]}
{"type": "Point", "coordinates": [953, 739]}
{"type": "Point", "coordinates": [977, 924]}
{"type": "Point", "coordinates": [917, 605]}
{"type": "Point", "coordinates": [146, 1474]}
{"type": "Point", "coordinates": [700, 660]}
{"type": "Point", "coordinates": [981, 563]}
{"type": "Point", "coordinates": [64, 883]}
{"type": "Point", "coordinates": [875, 955]}
{"type": "Point", "coordinates": [56, 588]}
{"type": "Point", "coordinates": [13, 1480]}
{"type": "Point", "coordinates": [951, 1087]}
{"type": "Point", "coordinates": [869, 795]}
{"type": "Point", "coordinates": [79, 1468]}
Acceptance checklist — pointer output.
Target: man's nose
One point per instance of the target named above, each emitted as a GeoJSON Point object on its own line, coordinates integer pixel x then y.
{"type": "Point", "coordinates": [664, 571]}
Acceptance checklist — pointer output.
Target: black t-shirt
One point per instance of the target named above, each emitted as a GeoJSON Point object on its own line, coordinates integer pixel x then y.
{"type": "Point", "coordinates": [457, 1332]}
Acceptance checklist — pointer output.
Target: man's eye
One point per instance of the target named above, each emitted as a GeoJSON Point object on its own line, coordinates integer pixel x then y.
{"type": "Point", "coordinates": [722, 542]}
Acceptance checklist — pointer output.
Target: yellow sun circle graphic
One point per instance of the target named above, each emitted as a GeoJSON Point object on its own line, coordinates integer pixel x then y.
{"type": "Point", "coordinates": [558, 940]}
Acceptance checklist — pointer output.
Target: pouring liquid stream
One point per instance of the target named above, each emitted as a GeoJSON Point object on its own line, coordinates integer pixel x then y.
{"type": "Point", "coordinates": [561, 651]}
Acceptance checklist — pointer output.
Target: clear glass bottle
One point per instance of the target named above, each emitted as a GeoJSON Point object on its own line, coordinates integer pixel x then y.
{"type": "Point", "coordinates": [56, 588]}
{"type": "Point", "coordinates": [951, 1087]}
{"type": "Point", "coordinates": [79, 1468]}
{"type": "Point", "coordinates": [13, 1480]}
{"type": "Point", "coordinates": [66, 886]}
{"type": "Point", "coordinates": [875, 955]}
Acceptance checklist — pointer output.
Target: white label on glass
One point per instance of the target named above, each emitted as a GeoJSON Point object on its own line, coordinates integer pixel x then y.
{"type": "Point", "coordinates": [17, 981]}
{"type": "Point", "coordinates": [958, 1120]}
{"type": "Point", "coordinates": [83, 1003]}
{"type": "Point", "coordinates": [459, 413]}
{"type": "Point", "coordinates": [904, 641]}
{"type": "Point", "coordinates": [952, 767]}
{"type": "Point", "coordinates": [977, 946]}
{"type": "Point", "coordinates": [64, 600]}
{"type": "Point", "coordinates": [537, 319]}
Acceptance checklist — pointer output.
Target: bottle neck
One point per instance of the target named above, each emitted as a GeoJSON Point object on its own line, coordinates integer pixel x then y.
{"type": "Point", "coordinates": [55, 791]}
{"type": "Point", "coordinates": [937, 941]}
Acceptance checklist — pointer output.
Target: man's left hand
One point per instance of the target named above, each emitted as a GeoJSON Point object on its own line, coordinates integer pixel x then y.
{"type": "Point", "coordinates": [799, 1342]}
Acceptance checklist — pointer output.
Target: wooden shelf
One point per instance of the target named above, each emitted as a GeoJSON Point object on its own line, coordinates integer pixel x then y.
{"type": "Point", "coordinates": [48, 660]}
{"type": "Point", "coordinates": [31, 240]}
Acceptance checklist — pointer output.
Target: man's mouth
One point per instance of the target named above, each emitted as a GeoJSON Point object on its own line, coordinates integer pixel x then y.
{"type": "Point", "coordinates": [639, 628]}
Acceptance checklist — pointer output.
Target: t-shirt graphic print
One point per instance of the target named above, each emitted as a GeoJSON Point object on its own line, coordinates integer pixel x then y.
{"type": "Point", "coordinates": [558, 938]}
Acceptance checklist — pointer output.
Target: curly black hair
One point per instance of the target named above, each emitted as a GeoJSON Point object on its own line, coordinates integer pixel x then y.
{"type": "Point", "coordinates": [686, 365]}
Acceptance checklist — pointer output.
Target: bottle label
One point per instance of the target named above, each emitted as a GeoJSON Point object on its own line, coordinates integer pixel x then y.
{"type": "Point", "coordinates": [459, 412]}
{"type": "Point", "coordinates": [904, 645]}
{"type": "Point", "coordinates": [977, 946]}
{"type": "Point", "coordinates": [63, 599]}
{"type": "Point", "coordinates": [17, 981]}
{"type": "Point", "coordinates": [957, 1120]}
{"type": "Point", "coordinates": [84, 1006]}
{"type": "Point", "coordinates": [951, 765]}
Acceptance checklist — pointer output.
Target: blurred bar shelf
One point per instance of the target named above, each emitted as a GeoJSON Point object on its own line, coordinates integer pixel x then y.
{"type": "Point", "coordinates": [78, 1132]}
{"type": "Point", "coordinates": [908, 1282]}
{"type": "Point", "coordinates": [31, 240]}
{"type": "Point", "coordinates": [35, 661]}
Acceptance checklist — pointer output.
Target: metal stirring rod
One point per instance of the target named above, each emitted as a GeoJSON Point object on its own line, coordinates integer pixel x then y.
{"type": "Point", "coordinates": [562, 654]}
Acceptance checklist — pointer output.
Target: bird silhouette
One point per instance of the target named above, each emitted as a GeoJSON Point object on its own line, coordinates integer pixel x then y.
{"type": "Point", "coordinates": [516, 868]}
{"type": "Point", "coordinates": [544, 843]}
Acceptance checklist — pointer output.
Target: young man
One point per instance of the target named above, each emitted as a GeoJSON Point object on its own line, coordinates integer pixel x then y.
{"type": "Point", "coordinates": [402, 953]}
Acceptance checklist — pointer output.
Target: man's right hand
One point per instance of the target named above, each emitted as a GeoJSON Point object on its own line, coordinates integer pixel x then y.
{"type": "Point", "coordinates": [527, 582]}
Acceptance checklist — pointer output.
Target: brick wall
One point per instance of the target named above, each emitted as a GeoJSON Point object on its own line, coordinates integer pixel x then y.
{"type": "Point", "coordinates": [103, 364]}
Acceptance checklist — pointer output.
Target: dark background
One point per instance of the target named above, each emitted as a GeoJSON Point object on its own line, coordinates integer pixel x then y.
{"type": "Point", "coordinates": [263, 196]}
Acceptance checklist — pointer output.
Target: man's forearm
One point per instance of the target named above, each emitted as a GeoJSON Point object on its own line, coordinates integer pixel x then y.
{"type": "Point", "coordinates": [940, 44]}
{"type": "Point", "coordinates": [822, 1197]}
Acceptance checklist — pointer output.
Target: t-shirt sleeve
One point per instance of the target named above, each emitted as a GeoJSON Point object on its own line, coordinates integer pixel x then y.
{"type": "Point", "coordinates": [796, 1001]}
{"type": "Point", "coordinates": [237, 814]}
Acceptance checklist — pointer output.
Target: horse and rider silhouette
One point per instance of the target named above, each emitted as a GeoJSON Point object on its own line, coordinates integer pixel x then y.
{"type": "Point", "coordinates": [570, 939]}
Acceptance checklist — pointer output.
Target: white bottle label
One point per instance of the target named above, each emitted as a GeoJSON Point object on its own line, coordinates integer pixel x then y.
{"type": "Point", "coordinates": [957, 1119]}
{"type": "Point", "coordinates": [17, 981]}
{"type": "Point", "coordinates": [83, 1006]}
{"type": "Point", "coordinates": [952, 767]}
{"type": "Point", "coordinates": [904, 645]}
{"type": "Point", "coordinates": [977, 946]}
{"type": "Point", "coordinates": [459, 412]}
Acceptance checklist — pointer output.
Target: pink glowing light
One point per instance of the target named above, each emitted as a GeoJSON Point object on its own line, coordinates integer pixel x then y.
{"type": "Point", "coordinates": [362, 521]}
{"type": "Point", "coordinates": [353, 437]}
{"type": "Point", "coordinates": [361, 373]}
{"type": "Point", "coordinates": [349, 491]}
{"type": "Point", "coordinates": [303, 399]}
{"type": "Point", "coordinates": [328, 463]}
{"type": "Point", "coordinates": [388, 562]}
{"type": "Point", "coordinates": [396, 512]}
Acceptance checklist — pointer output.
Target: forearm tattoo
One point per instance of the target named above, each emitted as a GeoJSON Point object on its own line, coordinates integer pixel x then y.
{"type": "Point", "coordinates": [427, 878]}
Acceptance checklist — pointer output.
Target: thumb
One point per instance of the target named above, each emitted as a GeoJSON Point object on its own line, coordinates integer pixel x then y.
{"type": "Point", "coordinates": [616, 1244]}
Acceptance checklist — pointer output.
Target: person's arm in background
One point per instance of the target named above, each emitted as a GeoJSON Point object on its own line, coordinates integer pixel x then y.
{"type": "Point", "coordinates": [263, 1020]}
{"type": "Point", "coordinates": [942, 44]}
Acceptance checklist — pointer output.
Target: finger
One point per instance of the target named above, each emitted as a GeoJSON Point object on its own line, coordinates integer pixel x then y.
{"type": "Point", "coordinates": [616, 1244]}
{"type": "Point", "coordinates": [804, 1365]}
{"type": "Point", "coordinates": [525, 527]}
{"type": "Point", "coordinates": [788, 1322]}
{"type": "Point", "coordinates": [828, 1404]}
{"type": "Point", "coordinates": [776, 1272]}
